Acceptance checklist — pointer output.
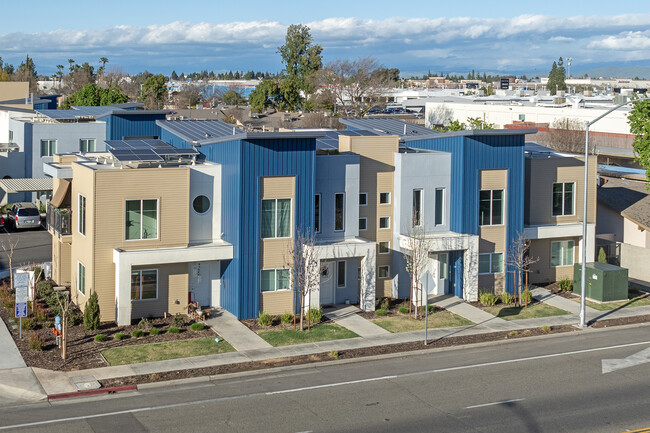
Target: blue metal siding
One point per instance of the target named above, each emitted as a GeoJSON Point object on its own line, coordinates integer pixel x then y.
{"type": "Point", "coordinates": [173, 139]}
{"type": "Point", "coordinates": [139, 125]}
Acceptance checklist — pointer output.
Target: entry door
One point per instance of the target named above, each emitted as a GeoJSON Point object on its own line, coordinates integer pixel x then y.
{"type": "Point", "coordinates": [327, 282]}
{"type": "Point", "coordinates": [443, 273]}
{"type": "Point", "coordinates": [200, 283]}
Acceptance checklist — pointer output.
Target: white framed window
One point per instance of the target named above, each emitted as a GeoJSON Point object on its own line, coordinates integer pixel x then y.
{"type": "Point", "coordinates": [443, 267]}
{"type": "Point", "coordinates": [317, 213]}
{"type": "Point", "coordinates": [363, 199]}
{"type": "Point", "coordinates": [144, 285]}
{"type": "Point", "coordinates": [563, 198]}
{"type": "Point", "coordinates": [417, 207]}
{"type": "Point", "coordinates": [490, 263]}
{"type": "Point", "coordinates": [363, 224]}
{"type": "Point", "coordinates": [562, 253]}
{"type": "Point", "coordinates": [48, 147]}
{"type": "Point", "coordinates": [81, 278]}
{"type": "Point", "coordinates": [141, 219]}
{"type": "Point", "coordinates": [81, 222]}
{"type": "Point", "coordinates": [384, 247]}
{"type": "Point", "coordinates": [340, 273]}
{"type": "Point", "coordinates": [384, 222]}
{"type": "Point", "coordinates": [276, 218]}
{"type": "Point", "coordinates": [439, 214]}
{"type": "Point", "coordinates": [383, 271]}
{"type": "Point", "coordinates": [274, 280]}
{"type": "Point", "coordinates": [87, 145]}
{"type": "Point", "coordinates": [339, 212]}
{"type": "Point", "coordinates": [384, 198]}
{"type": "Point", "coordinates": [490, 207]}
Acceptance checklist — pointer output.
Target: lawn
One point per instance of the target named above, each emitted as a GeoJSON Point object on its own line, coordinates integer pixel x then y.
{"type": "Point", "coordinates": [439, 319]}
{"type": "Point", "coordinates": [533, 311]}
{"type": "Point", "coordinates": [323, 332]}
{"type": "Point", "coordinates": [168, 350]}
{"type": "Point", "coordinates": [635, 301]}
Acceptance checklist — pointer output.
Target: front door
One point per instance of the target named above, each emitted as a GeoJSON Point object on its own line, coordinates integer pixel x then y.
{"type": "Point", "coordinates": [443, 273]}
{"type": "Point", "coordinates": [327, 282]}
{"type": "Point", "coordinates": [200, 283]}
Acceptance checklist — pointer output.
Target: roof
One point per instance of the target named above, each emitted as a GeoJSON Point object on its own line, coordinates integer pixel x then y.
{"type": "Point", "coordinates": [147, 151]}
{"type": "Point", "coordinates": [629, 198]}
{"type": "Point", "coordinates": [330, 141]}
{"type": "Point", "coordinates": [195, 130]}
{"type": "Point", "coordinates": [26, 184]}
{"type": "Point", "coordinates": [129, 108]}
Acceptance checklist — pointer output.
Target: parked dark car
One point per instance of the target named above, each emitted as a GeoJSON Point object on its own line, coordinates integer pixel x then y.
{"type": "Point", "coordinates": [24, 216]}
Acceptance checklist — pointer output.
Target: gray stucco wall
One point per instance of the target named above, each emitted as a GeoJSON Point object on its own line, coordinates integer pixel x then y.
{"type": "Point", "coordinates": [351, 290]}
{"type": "Point", "coordinates": [12, 164]}
{"type": "Point", "coordinates": [335, 174]}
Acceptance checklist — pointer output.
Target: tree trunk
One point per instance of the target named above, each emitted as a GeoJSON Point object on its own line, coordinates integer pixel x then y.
{"type": "Point", "coordinates": [309, 311]}
{"type": "Point", "coordinates": [64, 334]}
{"type": "Point", "coordinates": [295, 295]}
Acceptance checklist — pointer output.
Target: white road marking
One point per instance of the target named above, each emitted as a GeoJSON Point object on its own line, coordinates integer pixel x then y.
{"type": "Point", "coordinates": [329, 385]}
{"type": "Point", "coordinates": [495, 403]}
{"type": "Point", "coordinates": [638, 358]}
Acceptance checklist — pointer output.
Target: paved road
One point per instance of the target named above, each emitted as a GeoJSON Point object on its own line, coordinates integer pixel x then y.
{"type": "Point", "coordinates": [553, 384]}
{"type": "Point", "coordinates": [34, 246]}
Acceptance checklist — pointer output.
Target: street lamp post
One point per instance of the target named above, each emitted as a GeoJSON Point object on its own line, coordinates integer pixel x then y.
{"type": "Point", "coordinates": [583, 323]}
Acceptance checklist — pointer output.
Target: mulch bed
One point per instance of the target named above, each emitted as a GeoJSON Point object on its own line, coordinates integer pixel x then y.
{"type": "Point", "coordinates": [393, 311]}
{"type": "Point", "coordinates": [344, 354]}
{"type": "Point", "coordinates": [555, 289]}
{"type": "Point", "coordinates": [277, 325]}
{"type": "Point", "coordinates": [605, 323]}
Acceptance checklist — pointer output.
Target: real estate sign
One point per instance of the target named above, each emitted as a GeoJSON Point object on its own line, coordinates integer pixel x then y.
{"type": "Point", "coordinates": [21, 284]}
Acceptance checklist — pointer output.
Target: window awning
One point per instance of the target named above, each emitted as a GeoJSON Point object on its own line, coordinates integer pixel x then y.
{"type": "Point", "coordinates": [26, 184]}
{"type": "Point", "coordinates": [60, 193]}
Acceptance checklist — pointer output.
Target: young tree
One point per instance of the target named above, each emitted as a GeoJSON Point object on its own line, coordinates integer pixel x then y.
{"type": "Point", "coordinates": [153, 91]}
{"type": "Point", "coordinates": [91, 312]}
{"type": "Point", "coordinates": [304, 266]}
{"type": "Point", "coordinates": [417, 248]}
{"type": "Point", "coordinates": [556, 77]}
{"type": "Point", "coordinates": [265, 95]}
{"type": "Point", "coordinates": [9, 246]}
{"type": "Point", "coordinates": [566, 135]}
{"type": "Point", "coordinates": [639, 120]}
{"type": "Point", "coordinates": [602, 257]}
{"type": "Point", "coordinates": [63, 299]}
{"type": "Point", "coordinates": [231, 97]}
{"type": "Point", "coordinates": [519, 260]}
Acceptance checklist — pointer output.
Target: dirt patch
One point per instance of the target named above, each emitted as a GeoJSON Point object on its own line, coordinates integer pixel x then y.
{"type": "Point", "coordinates": [344, 354]}
{"type": "Point", "coordinates": [605, 323]}
{"type": "Point", "coordinates": [276, 324]}
{"type": "Point", "coordinates": [554, 288]}
{"type": "Point", "coordinates": [392, 308]}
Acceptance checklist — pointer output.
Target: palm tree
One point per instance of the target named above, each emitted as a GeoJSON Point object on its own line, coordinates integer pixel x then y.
{"type": "Point", "coordinates": [103, 61]}
{"type": "Point", "coordinates": [59, 73]}
{"type": "Point", "coordinates": [71, 61]}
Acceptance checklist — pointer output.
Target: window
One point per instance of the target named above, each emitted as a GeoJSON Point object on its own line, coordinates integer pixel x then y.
{"type": "Point", "coordinates": [490, 263]}
{"type": "Point", "coordinates": [201, 204]}
{"type": "Point", "coordinates": [82, 214]}
{"type": "Point", "coordinates": [440, 205]}
{"type": "Point", "coordinates": [48, 147]}
{"type": "Point", "coordinates": [417, 207]}
{"type": "Point", "coordinates": [384, 222]}
{"type": "Point", "coordinates": [87, 145]}
{"type": "Point", "coordinates": [384, 247]}
{"type": "Point", "coordinates": [443, 258]}
{"type": "Point", "coordinates": [339, 204]}
{"type": "Point", "coordinates": [144, 284]}
{"type": "Point", "coordinates": [383, 271]}
{"type": "Point", "coordinates": [276, 218]}
{"type": "Point", "coordinates": [81, 278]}
{"type": "Point", "coordinates": [562, 253]}
{"type": "Point", "coordinates": [491, 207]}
{"type": "Point", "coordinates": [340, 274]}
{"type": "Point", "coordinates": [384, 198]}
{"type": "Point", "coordinates": [317, 213]}
{"type": "Point", "coordinates": [363, 223]}
{"type": "Point", "coordinates": [272, 280]}
{"type": "Point", "coordinates": [563, 198]}
{"type": "Point", "coordinates": [141, 219]}
{"type": "Point", "coordinates": [363, 199]}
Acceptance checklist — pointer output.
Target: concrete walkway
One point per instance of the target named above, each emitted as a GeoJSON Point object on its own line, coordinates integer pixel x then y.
{"type": "Point", "coordinates": [10, 357]}
{"type": "Point", "coordinates": [234, 332]}
{"type": "Point", "coordinates": [473, 314]}
{"type": "Point", "coordinates": [565, 304]}
{"type": "Point", "coordinates": [346, 316]}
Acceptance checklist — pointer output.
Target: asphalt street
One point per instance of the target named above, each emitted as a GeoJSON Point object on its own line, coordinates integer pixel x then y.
{"type": "Point", "coordinates": [34, 246]}
{"type": "Point", "coordinates": [549, 384]}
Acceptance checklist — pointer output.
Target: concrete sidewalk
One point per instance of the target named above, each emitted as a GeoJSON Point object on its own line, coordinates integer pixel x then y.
{"type": "Point", "coordinates": [234, 332]}
{"type": "Point", "coordinates": [11, 357]}
{"type": "Point", "coordinates": [565, 304]}
{"type": "Point", "coordinates": [471, 313]}
{"type": "Point", "coordinates": [346, 316]}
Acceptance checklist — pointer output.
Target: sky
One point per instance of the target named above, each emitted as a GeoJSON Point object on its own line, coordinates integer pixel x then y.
{"type": "Point", "coordinates": [415, 36]}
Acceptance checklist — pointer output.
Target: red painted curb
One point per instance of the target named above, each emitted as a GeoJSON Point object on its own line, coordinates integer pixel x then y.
{"type": "Point", "coordinates": [92, 392]}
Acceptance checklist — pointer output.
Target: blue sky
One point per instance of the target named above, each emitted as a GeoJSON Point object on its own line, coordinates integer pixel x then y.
{"type": "Point", "coordinates": [414, 36]}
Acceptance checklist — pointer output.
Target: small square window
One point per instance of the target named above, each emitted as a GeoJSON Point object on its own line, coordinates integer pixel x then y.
{"type": "Point", "coordinates": [363, 199]}
{"type": "Point", "coordinates": [383, 271]}
{"type": "Point", "coordinates": [384, 247]}
{"type": "Point", "coordinates": [363, 223]}
{"type": "Point", "coordinates": [384, 198]}
{"type": "Point", "coordinates": [384, 222]}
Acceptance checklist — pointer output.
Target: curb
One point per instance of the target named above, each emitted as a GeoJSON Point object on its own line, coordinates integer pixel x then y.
{"type": "Point", "coordinates": [92, 392]}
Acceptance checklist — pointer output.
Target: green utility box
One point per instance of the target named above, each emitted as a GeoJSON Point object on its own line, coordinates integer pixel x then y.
{"type": "Point", "coordinates": [604, 282]}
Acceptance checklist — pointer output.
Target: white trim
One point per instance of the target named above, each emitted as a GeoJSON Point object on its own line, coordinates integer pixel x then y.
{"type": "Point", "coordinates": [338, 264]}
{"type": "Point", "coordinates": [366, 221]}
{"type": "Point", "coordinates": [491, 255]}
{"type": "Point", "coordinates": [503, 207]}
{"type": "Point", "coordinates": [51, 152]}
{"type": "Point", "coordinates": [389, 198]}
{"type": "Point", "coordinates": [275, 277]}
{"type": "Point", "coordinates": [379, 247]}
{"type": "Point", "coordinates": [365, 194]}
{"type": "Point", "coordinates": [276, 218]}
{"type": "Point", "coordinates": [140, 271]}
{"type": "Point", "coordinates": [141, 205]}
{"type": "Point", "coordinates": [209, 205]}
{"type": "Point", "coordinates": [343, 212]}
{"type": "Point", "coordinates": [387, 272]}
{"type": "Point", "coordinates": [562, 243]}
{"type": "Point", "coordinates": [573, 204]}
{"type": "Point", "coordinates": [421, 210]}
{"type": "Point", "coordinates": [320, 212]}
{"type": "Point", "coordinates": [79, 197]}
{"type": "Point", "coordinates": [435, 205]}
{"type": "Point", "coordinates": [88, 139]}
{"type": "Point", "coordinates": [79, 266]}
{"type": "Point", "coordinates": [387, 227]}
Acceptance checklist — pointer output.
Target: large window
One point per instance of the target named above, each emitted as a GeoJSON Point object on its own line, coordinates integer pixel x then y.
{"type": "Point", "coordinates": [340, 273]}
{"type": "Point", "coordinates": [276, 218]}
{"type": "Point", "coordinates": [440, 206]}
{"type": "Point", "coordinates": [563, 198]}
{"type": "Point", "coordinates": [491, 207]}
{"type": "Point", "coordinates": [339, 213]}
{"type": "Point", "coordinates": [48, 147]}
{"type": "Point", "coordinates": [81, 278]}
{"type": "Point", "coordinates": [144, 284]}
{"type": "Point", "coordinates": [272, 280]}
{"type": "Point", "coordinates": [417, 207]}
{"type": "Point", "coordinates": [490, 263]}
{"type": "Point", "coordinates": [562, 253]}
{"type": "Point", "coordinates": [384, 198]}
{"type": "Point", "coordinates": [82, 214]}
{"type": "Point", "coordinates": [317, 213]}
{"type": "Point", "coordinates": [87, 145]}
{"type": "Point", "coordinates": [141, 219]}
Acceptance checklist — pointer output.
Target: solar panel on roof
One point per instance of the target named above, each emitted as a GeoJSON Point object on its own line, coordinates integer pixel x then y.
{"type": "Point", "coordinates": [145, 150]}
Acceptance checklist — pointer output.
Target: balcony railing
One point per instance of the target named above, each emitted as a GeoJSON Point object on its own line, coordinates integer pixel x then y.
{"type": "Point", "coordinates": [59, 220]}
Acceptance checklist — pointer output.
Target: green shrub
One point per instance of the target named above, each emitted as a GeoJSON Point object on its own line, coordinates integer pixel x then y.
{"type": "Point", "coordinates": [526, 296]}
{"type": "Point", "coordinates": [100, 337]}
{"type": "Point", "coordinates": [384, 304]}
{"type": "Point", "coordinates": [286, 318]}
{"type": "Point", "coordinates": [39, 314]}
{"type": "Point", "coordinates": [602, 257]}
{"type": "Point", "coordinates": [74, 317]}
{"type": "Point", "coordinates": [28, 323]}
{"type": "Point", "coordinates": [36, 341]}
{"type": "Point", "coordinates": [488, 298]}
{"type": "Point", "coordinates": [403, 310]}
{"type": "Point", "coordinates": [545, 328]}
{"type": "Point", "coordinates": [334, 354]}
{"type": "Point", "coordinates": [120, 336]}
{"type": "Point", "coordinates": [431, 308]}
{"type": "Point", "coordinates": [315, 315]}
{"type": "Point", "coordinates": [173, 330]}
{"type": "Point", "coordinates": [197, 326]}
{"type": "Point", "coordinates": [8, 299]}
{"type": "Point", "coordinates": [565, 285]}
{"type": "Point", "coordinates": [507, 298]}
{"type": "Point", "coordinates": [145, 324]}
{"type": "Point", "coordinates": [38, 273]}
{"type": "Point", "coordinates": [381, 312]}
{"type": "Point", "coordinates": [44, 289]}
{"type": "Point", "coordinates": [137, 333]}
{"type": "Point", "coordinates": [179, 320]}
{"type": "Point", "coordinates": [264, 319]}
{"type": "Point", "coordinates": [154, 331]}
{"type": "Point", "coordinates": [91, 312]}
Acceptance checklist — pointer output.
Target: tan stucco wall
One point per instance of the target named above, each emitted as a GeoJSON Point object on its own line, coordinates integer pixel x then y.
{"type": "Point", "coordinates": [61, 267]}
{"type": "Point", "coordinates": [10, 90]}
{"type": "Point", "coordinates": [492, 239]}
{"type": "Point", "coordinates": [172, 287]}
{"type": "Point", "coordinates": [276, 302]}
{"type": "Point", "coordinates": [542, 271]}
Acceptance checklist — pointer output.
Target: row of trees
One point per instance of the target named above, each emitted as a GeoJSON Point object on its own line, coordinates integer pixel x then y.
{"type": "Point", "coordinates": [230, 75]}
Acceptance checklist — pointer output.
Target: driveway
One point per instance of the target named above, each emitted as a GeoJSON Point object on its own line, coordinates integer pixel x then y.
{"type": "Point", "coordinates": [34, 246]}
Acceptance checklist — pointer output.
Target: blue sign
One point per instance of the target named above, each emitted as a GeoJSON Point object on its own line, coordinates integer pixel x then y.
{"type": "Point", "coordinates": [21, 309]}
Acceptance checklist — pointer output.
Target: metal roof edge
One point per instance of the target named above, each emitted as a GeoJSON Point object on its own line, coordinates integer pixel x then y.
{"type": "Point", "coordinates": [258, 136]}
{"type": "Point", "coordinates": [471, 133]}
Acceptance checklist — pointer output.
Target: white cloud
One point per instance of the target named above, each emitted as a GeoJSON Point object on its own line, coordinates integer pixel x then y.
{"type": "Point", "coordinates": [629, 41]}
{"type": "Point", "coordinates": [561, 39]}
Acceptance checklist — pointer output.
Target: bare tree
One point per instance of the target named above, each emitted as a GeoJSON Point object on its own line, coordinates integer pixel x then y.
{"type": "Point", "coordinates": [441, 116]}
{"type": "Point", "coordinates": [417, 247]}
{"type": "Point", "coordinates": [566, 135]}
{"type": "Point", "coordinates": [63, 298]}
{"type": "Point", "coordinates": [519, 260]}
{"type": "Point", "coordinates": [9, 246]}
{"type": "Point", "coordinates": [304, 265]}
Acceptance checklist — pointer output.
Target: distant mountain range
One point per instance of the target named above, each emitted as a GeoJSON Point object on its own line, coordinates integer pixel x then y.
{"type": "Point", "coordinates": [643, 72]}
